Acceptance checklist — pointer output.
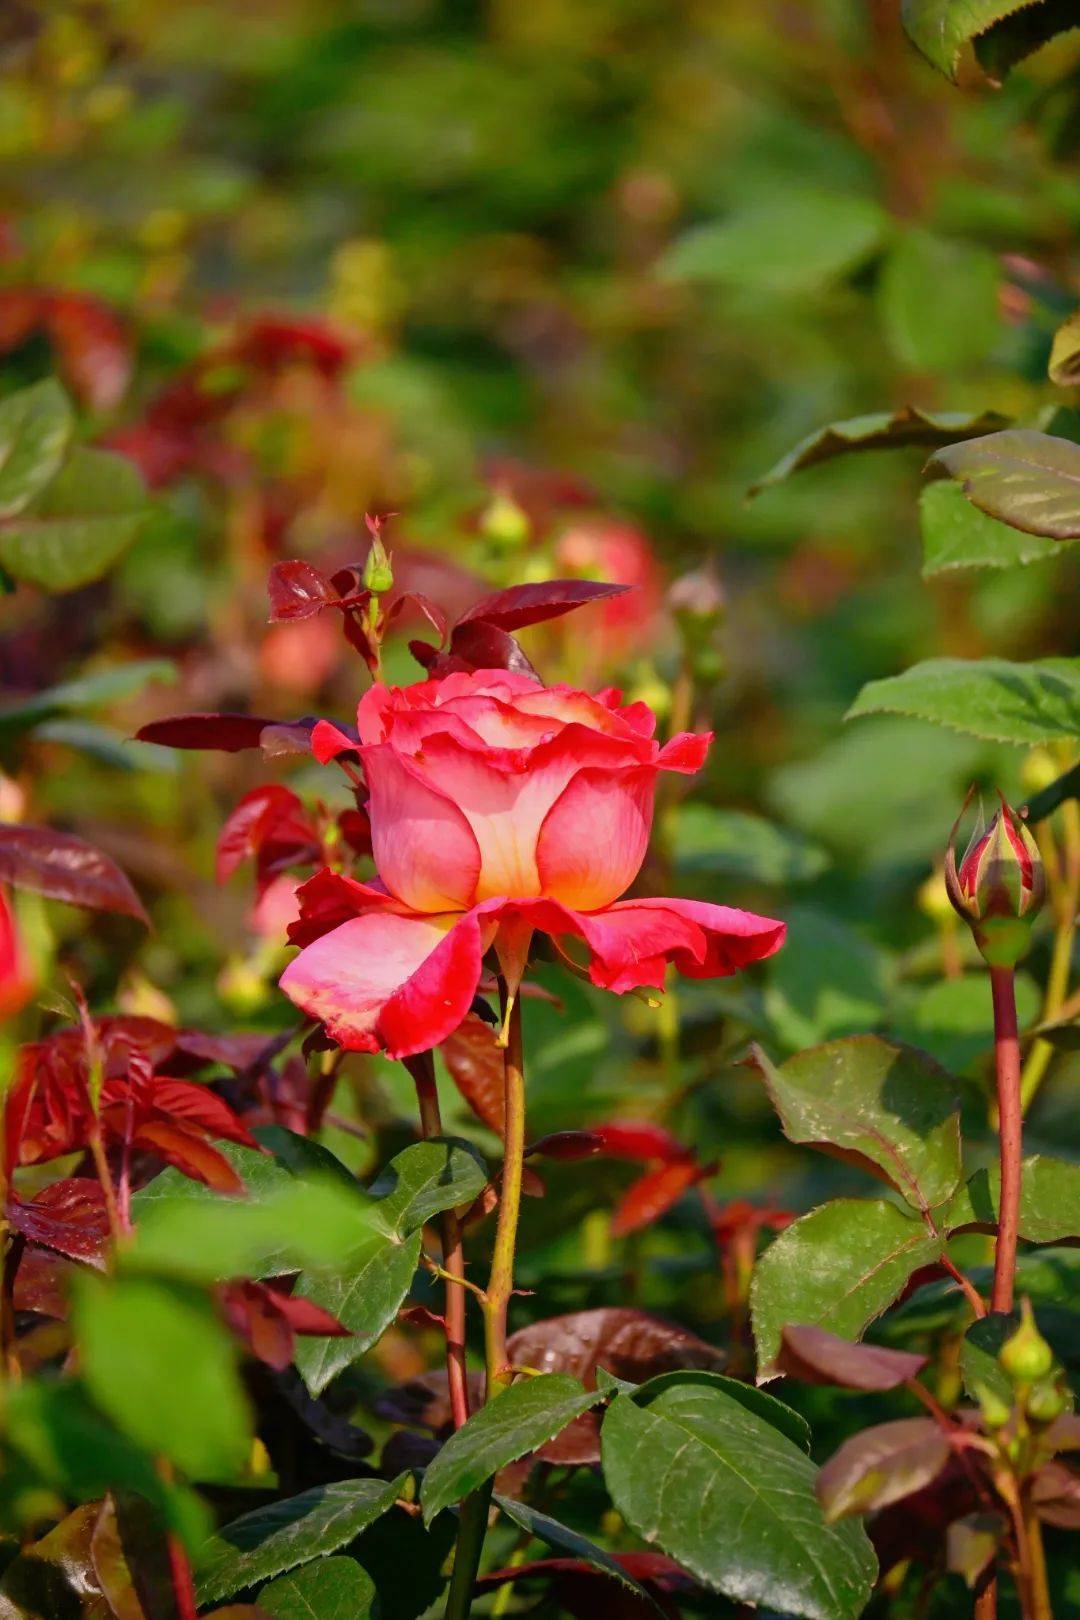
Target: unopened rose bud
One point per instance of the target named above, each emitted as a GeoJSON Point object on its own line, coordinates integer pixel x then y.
{"type": "Point", "coordinates": [1025, 1355]}
{"type": "Point", "coordinates": [378, 574]}
{"type": "Point", "coordinates": [998, 887]}
{"type": "Point", "coordinates": [503, 523]}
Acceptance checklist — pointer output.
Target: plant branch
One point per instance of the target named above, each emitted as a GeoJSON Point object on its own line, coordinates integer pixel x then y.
{"type": "Point", "coordinates": [1010, 1127]}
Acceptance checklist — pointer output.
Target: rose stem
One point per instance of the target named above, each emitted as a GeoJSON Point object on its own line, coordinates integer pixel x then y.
{"type": "Point", "coordinates": [1007, 1059]}
{"type": "Point", "coordinates": [422, 1069]}
{"type": "Point", "coordinates": [179, 1564]}
{"type": "Point", "coordinates": [474, 1510]}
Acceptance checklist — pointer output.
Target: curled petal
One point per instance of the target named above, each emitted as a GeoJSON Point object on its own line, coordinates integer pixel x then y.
{"type": "Point", "coordinates": [686, 753]}
{"type": "Point", "coordinates": [384, 981]}
{"type": "Point", "coordinates": [632, 941]}
{"type": "Point", "coordinates": [329, 740]}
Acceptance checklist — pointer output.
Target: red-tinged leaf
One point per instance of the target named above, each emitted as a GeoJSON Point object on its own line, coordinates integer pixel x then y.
{"type": "Point", "coordinates": [272, 341]}
{"type": "Point", "coordinates": [221, 733]}
{"type": "Point", "coordinates": [298, 590]}
{"type": "Point", "coordinates": [1055, 1492]}
{"type": "Point", "coordinates": [568, 1145]}
{"type": "Point", "coordinates": [638, 1139]}
{"type": "Point", "coordinates": [65, 868]}
{"type": "Point", "coordinates": [355, 828]}
{"type": "Point", "coordinates": [69, 1216]}
{"type": "Point", "coordinates": [284, 738]}
{"type": "Point", "coordinates": [475, 1064]}
{"type": "Point", "coordinates": [190, 1153]}
{"type": "Point", "coordinates": [816, 1356]}
{"type": "Point", "coordinates": [309, 1319]}
{"type": "Point", "coordinates": [414, 602]}
{"type": "Point", "coordinates": [236, 1052]}
{"type": "Point", "coordinates": [631, 1344]}
{"type": "Point", "coordinates": [253, 1315]}
{"type": "Point", "coordinates": [201, 1107]}
{"type": "Point", "coordinates": [93, 351]}
{"type": "Point", "coordinates": [531, 604]}
{"type": "Point", "coordinates": [268, 815]}
{"type": "Point", "coordinates": [478, 645]}
{"type": "Point", "coordinates": [881, 1465]}
{"type": "Point", "coordinates": [41, 1283]}
{"type": "Point", "coordinates": [20, 312]}
{"type": "Point", "coordinates": [654, 1193]}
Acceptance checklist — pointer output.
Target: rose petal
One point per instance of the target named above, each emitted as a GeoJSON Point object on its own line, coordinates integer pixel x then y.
{"type": "Point", "coordinates": [594, 837]}
{"type": "Point", "coordinates": [425, 850]}
{"type": "Point", "coordinates": [632, 942]}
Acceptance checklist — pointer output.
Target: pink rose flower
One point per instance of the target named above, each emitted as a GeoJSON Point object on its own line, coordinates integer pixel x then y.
{"type": "Point", "coordinates": [498, 807]}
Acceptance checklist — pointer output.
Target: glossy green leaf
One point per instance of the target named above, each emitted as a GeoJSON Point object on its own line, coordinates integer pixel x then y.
{"type": "Point", "coordinates": [838, 1267]}
{"type": "Point", "coordinates": [888, 1106]}
{"type": "Point", "coordinates": [881, 1465]}
{"type": "Point", "coordinates": [985, 697]}
{"type": "Point", "coordinates": [789, 243]}
{"type": "Point", "coordinates": [1027, 479]}
{"type": "Point", "coordinates": [1002, 31]}
{"type": "Point", "coordinates": [518, 1420]}
{"type": "Point", "coordinates": [79, 524]}
{"type": "Point", "coordinates": [270, 1540]}
{"type": "Point", "coordinates": [881, 430]}
{"type": "Point", "coordinates": [979, 1365]}
{"type": "Point", "coordinates": [1049, 1200]}
{"type": "Point", "coordinates": [708, 841]}
{"type": "Point", "coordinates": [158, 1360]}
{"type": "Point", "coordinates": [425, 1179]}
{"type": "Point", "coordinates": [709, 1481]}
{"type": "Point", "coordinates": [938, 302]}
{"type": "Point", "coordinates": [567, 1541]}
{"type": "Point", "coordinates": [956, 534]}
{"type": "Point", "coordinates": [364, 1292]}
{"type": "Point", "coordinates": [35, 430]}
{"type": "Point", "coordinates": [332, 1589]}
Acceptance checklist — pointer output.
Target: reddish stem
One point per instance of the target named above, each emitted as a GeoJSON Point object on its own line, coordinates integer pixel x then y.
{"type": "Point", "coordinates": [1010, 1127]}
{"type": "Point", "coordinates": [182, 1584]}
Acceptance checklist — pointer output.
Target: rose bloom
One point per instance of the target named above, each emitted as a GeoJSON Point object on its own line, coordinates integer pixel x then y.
{"type": "Point", "coordinates": [498, 807]}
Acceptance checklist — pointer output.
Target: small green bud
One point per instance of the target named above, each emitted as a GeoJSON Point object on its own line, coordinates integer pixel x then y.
{"type": "Point", "coordinates": [1025, 1355]}
{"type": "Point", "coordinates": [378, 575]}
{"type": "Point", "coordinates": [503, 523]}
{"type": "Point", "coordinates": [995, 1412]}
{"type": "Point", "coordinates": [1046, 1401]}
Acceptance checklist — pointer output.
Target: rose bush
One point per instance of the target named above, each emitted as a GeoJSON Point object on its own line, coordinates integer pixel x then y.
{"type": "Point", "coordinates": [498, 807]}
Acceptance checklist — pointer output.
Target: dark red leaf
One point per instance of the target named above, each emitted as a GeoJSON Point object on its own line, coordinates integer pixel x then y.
{"type": "Point", "coordinates": [412, 603]}
{"type": "Point", "coordinates": [93, 351]}
{"type": "Point", "coordinates": [41, 1283]}
{"type": "Point", "coordinates": [638, 1139]}
{"type": "Point", "coordinates": [629, 1343]}
{"type": "Point", "coordinates": [65, 868]}
{"type": "Point", "coordinates": [1055, 1491]}
{"type": "Point", "coordinates": [232, 1051]}
{"type": "Point", "coordinates": [568, 1145]}
{"type": "Point", "coordinates": [298, 590]}
{"type": "Point", "coordinates": [198, 1105]}
{"type": "Point", "coordinates": [223, 733]}
{"type": "Point", "coordinates": [252, 1313]}
{"type": "Point", "coordinates": [272, 341]}
{"type": "Point", "coordinates": [307, 1318]}
{"type": "Point", "coordinates": [20, 312]}
{"type": "Point", "coordinates": [479, 645]}
{"type": "Point", "coordinates": [476, 1066]}
{"type": "Point", "coordinates": [531, 604]}
{"type": "Point", "coordinates": [69, 1216]}
{"type": "Point", "coordinates": [191, 1154]}
{"type": "Point", "coordinates": [882, 1465]}
{"type": "Point", "coordinates": [818, 1357]}
{"type": "Point", "coordinates": [270, 815]}
{"type": "Point", "coordinates": [654, 1193]}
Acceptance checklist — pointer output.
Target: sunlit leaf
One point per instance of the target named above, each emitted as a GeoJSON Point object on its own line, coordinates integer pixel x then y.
{"type": "Point", "coordinates": [1027, 479]}
{"type": "Point", "coordinates": [985, 697]}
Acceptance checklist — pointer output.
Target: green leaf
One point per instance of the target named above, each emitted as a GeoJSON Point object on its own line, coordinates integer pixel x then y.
{"type": "Point", "coordinates": [35, 430]}
{"type": "Point", "coordinates": [979, 1365]}
{"type": "Point", "coordinates": [518, 1420]}
{"type": "Point", "coordinates": [77, 527]}
{"type": "Point", "coordinates": [790, 243]}
{"type": "Point", "coordinates": [731, 843]}
{"type": "Point", "coordinates": [791, 1424]}
{"type": "Point", "coordinates": [565, 1540]}
{"type": "Point", "coordinates": [1002, 31]}
{"type": "Point", "coordinates": [1064, 365]}
{"type": "Point", "coordinates": [827, 981]}
{"type": "Point", "coordinates": [718, 1488]}
{"type": "Point", "coordinates": [271, 1540]}
{"type": "Point", "coordinates": [332, 1589]}
{"type": "Point", "coordinates": [1049, 1200]}
{"type": "Point", "coordinates": [364, 1293]}
{"type": "Point", "coordinates": [158, 1360]}
{"type": "Point", "coordinates": [888, 1106]}
{"type": "Point", "coordinates": [425, 1179]}
{"type": "Point", "coordinates": [882, 430]}
{"type": "Point", "coordinates": [838, 1267]}
{"type": "Point", "coordinates": [956, 534]}
{"type": "Point", "coordinates": [93, 691]}
{"type": "Point", "coordinates": [262, 1176]}
{"type": "Point", "coordinates": [938, 302]}
{"type": "Point", "coordinates": [985, 697]}
{"type": "Point", "coordinates": [1027, 479]}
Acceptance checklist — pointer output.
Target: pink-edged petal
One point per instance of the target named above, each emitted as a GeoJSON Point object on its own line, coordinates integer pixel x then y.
{"type": "Point", "coordinates": [594, 837]}
{"type": "Point", "coordinates": [424, 847]}
{"type": "Point", "coordinates": [328, 741]}
{"type": "Point", "coordinates": [330, 898]}
{"type": "Point", "coordinates": [384, 981]}
{"type": "Point", "coordinates": [632, 941]}
{"type": "Point", "coordinates": [686, 753]}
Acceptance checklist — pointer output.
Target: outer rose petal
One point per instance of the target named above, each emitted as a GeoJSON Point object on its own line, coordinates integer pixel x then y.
{"type": "Point", "coordinates": [424, 849]}
{"type": "Point", "coordinates": [686, 753]}
{"type": "Point", "coordinates": [387, 981]}
{"type": "Point", "coordinates": [594, 837]}
{"type": "Point", "coordinates": [632, 942]}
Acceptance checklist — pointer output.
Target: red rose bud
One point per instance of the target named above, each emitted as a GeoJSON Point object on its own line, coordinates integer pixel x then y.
{"type": "Point", "coordinates": [998, 887]}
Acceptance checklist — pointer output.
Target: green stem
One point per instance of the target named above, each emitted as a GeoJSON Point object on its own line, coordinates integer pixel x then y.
{"type": "Point", "coordinates": [472, 1524]}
